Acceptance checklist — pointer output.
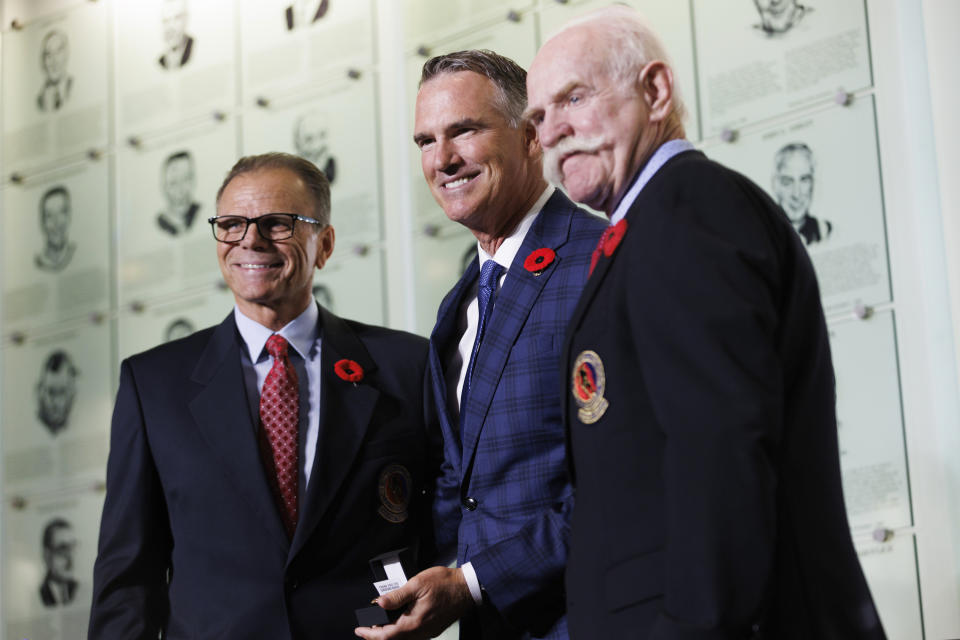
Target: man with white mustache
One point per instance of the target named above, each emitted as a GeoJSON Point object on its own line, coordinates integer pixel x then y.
{"type": "Point", "coordinates": [700, 394]}
{"type": "Point", "coordinates": [502, 507]}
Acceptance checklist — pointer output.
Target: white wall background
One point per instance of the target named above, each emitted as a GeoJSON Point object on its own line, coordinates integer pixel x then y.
{"type": "Point", "coordinates": [914, 53]}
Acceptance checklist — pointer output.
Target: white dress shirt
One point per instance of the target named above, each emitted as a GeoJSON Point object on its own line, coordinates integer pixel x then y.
{"type": "Point", "coordinates": [303, 335]}
{"type": "Point", "coordinates": [469, 315]}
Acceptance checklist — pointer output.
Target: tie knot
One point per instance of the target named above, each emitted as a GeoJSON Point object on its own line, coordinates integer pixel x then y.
{"type": "Point", "coordinates": [489, 274]}
{"type": "Point", "coordinates": [277, 346]}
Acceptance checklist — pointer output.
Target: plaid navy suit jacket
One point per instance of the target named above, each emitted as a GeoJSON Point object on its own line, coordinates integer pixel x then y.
{"type": "Point", "coordinates": [510, 456]}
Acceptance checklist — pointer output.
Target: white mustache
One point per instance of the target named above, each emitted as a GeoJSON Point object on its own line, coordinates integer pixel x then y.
{"type": "Point", "coordinates": [553, 156]}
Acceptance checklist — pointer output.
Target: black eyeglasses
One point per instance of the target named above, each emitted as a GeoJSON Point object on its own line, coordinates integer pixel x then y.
{"type": "Point", "coordinates": [271, 226]}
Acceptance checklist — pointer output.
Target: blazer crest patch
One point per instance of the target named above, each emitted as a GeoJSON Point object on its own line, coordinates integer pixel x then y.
{"type": "Point", "coordinates": [588, 386]}
{"type": "Point", "coordinates": [395, 487]}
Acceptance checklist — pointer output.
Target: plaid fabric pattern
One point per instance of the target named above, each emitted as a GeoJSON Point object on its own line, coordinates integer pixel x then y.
{"type": "Point", "coordinates": [510, 455]}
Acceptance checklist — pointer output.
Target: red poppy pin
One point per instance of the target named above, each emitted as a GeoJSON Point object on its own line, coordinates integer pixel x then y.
{"type": "Point", "coordinates": [609, 241]}
{"type": "Point", "coordinates": [539, 260]}
{"type": "Point", "coordinates": [348, 370]}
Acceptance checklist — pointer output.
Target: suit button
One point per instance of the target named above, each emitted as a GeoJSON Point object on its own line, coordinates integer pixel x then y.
{"type": "Point", "coordinates": [294, 584]}
{"type": "Point", "coordinates": [470, 504]}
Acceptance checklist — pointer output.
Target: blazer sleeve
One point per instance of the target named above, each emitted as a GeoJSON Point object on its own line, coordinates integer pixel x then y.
{"type": "Point", "coordinates": [523, 575]}
{"type": "Point", "coordinates": [704, 318]}
{"type": "Point", "coordinates": [130, 573]}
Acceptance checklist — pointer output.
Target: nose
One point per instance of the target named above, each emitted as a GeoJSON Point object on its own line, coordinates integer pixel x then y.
{"type": "Point", "coordinates": [253, 241]}
{"type": "Point", "coordinates": [553, 128]}
{"type": "Point", "coordinates": [446, 157]}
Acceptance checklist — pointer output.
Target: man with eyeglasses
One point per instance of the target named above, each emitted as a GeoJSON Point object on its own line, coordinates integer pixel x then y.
{"type": "Point", "coordinates": [256, 467]}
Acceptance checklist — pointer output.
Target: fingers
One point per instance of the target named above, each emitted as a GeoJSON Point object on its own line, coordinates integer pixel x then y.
{"type": "Point", "coordinates": [399, 597]}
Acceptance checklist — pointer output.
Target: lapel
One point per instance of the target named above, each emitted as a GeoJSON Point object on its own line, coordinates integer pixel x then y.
{"type": "Point", "coordinates": [223, 420]}
{"type": "Point", "coordinates": [633, 217]}
{"type": "Point", "coordinates": [512, 305]}
{"type": "Point", "coordinates": [345, 412]}
{"type": "Point", "coordinates": [442, 340]}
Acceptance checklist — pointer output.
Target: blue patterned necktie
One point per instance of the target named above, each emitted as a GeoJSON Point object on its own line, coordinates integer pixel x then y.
{"type": "Point", "coordinates": [486, 288]}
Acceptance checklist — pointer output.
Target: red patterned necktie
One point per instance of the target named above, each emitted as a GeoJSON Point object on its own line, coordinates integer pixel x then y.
{"type": "Point", "coordinates": [280, 417]}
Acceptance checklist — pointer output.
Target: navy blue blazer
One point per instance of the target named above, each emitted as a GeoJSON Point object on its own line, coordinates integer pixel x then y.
{"type": "Point", "coordinates": [191, 540]}
{"type": "Point", "coordinates": [709, 502]}
{"type": "Point", "coordinates": [505, 497]}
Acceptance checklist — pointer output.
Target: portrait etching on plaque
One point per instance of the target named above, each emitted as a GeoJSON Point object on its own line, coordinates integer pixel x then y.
{"type": "Point", "coordinates": [178, 181]}
{"type": "Point", "coordinates": [793, 176]}
{"type": "Point", "coordinates": [54, 218]}
{"type": "Point", "coordinates": [304, 12]}
{"type": "Point", "coordinates": [57, 83]}
{"type": "Point", "coordinates": [310, 141]}
{"type": "Point", "coordinates": [178, 44]}
{"type": "Point", "coordinates": [179, 328]}
{"type": "Point", "coordinates": [56, 391]}
{"type": "Point", "coordinates": [59, 586]}
{"type": "Point", "coordinates": [779, 16]}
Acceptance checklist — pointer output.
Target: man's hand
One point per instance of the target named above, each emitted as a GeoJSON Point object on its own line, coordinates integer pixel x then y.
{"type": "Point", "coordinates": [437, 597]}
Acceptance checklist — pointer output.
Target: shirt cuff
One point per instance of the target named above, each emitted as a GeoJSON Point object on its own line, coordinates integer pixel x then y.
{"type": "Point", "coordinates": [472, 582]}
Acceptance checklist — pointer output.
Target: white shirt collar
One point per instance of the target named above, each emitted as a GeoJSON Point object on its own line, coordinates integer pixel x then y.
{"type": "Point", "coordinates": [508, 249]}
{"type": "Point", "coordinates": [301, 332]}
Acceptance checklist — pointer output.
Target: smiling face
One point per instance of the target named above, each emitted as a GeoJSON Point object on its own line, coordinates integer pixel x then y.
{"type": "Point", "coordinates": [793, 184]}
{"type": "Point", "coordinates": [481, 171]}
{"type": "Point", "coordinates": [271, 280]}
{"type": "Point", "coordinates": [592, 127]}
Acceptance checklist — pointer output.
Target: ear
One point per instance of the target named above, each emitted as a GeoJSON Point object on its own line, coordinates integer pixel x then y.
{"type": "Point", "coordinates": [656, 87]}
{"type": "Point", "coordinates": [326, 238]}
{"type": "Point", "coordinates": [530, 140]}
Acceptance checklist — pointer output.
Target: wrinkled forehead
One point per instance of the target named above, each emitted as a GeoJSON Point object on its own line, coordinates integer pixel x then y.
{"type": "Point", "coordinates": [575, 54]}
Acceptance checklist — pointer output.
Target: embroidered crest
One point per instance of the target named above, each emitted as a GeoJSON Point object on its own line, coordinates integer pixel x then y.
{"type": "Point", "coordinates": [395, 486]}
{"type": "Point", "coordinates": [589, 383]}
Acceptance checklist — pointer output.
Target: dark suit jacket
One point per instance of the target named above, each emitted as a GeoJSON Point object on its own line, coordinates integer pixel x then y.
{"type": "Point", "coordinates": [509, 457]}
{"type": "Point", "coordinates": [708, 493]}
{"type": "Point", "coordinates": [191, 540]}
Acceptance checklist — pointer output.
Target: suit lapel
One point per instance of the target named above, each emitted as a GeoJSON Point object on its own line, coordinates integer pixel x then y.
{"type": "Point", "coordinates": [442, 340]}
{"type": "Point", "coordinates": [223, 420]}
{"type": "Point", "coordinates": [511, 308]}
{"type": "Point", "coordinates": [345, 412]}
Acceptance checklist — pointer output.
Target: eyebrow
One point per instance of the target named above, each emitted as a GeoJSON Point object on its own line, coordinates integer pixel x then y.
{"type": "Point", "coordinates": [459, 124]}
{"type": "Point", "coordinates": [556, 97]}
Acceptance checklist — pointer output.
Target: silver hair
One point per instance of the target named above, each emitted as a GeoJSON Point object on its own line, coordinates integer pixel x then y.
{"type": "Point", "coordinates": [509, 77]}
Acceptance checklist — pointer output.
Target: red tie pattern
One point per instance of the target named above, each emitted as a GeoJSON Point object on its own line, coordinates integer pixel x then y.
{"type": "Point", "coordinates": [280, 417]}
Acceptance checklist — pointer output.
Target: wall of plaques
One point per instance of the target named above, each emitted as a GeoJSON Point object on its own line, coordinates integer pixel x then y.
{"type": "Point", "coordinates": [121, 118]}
